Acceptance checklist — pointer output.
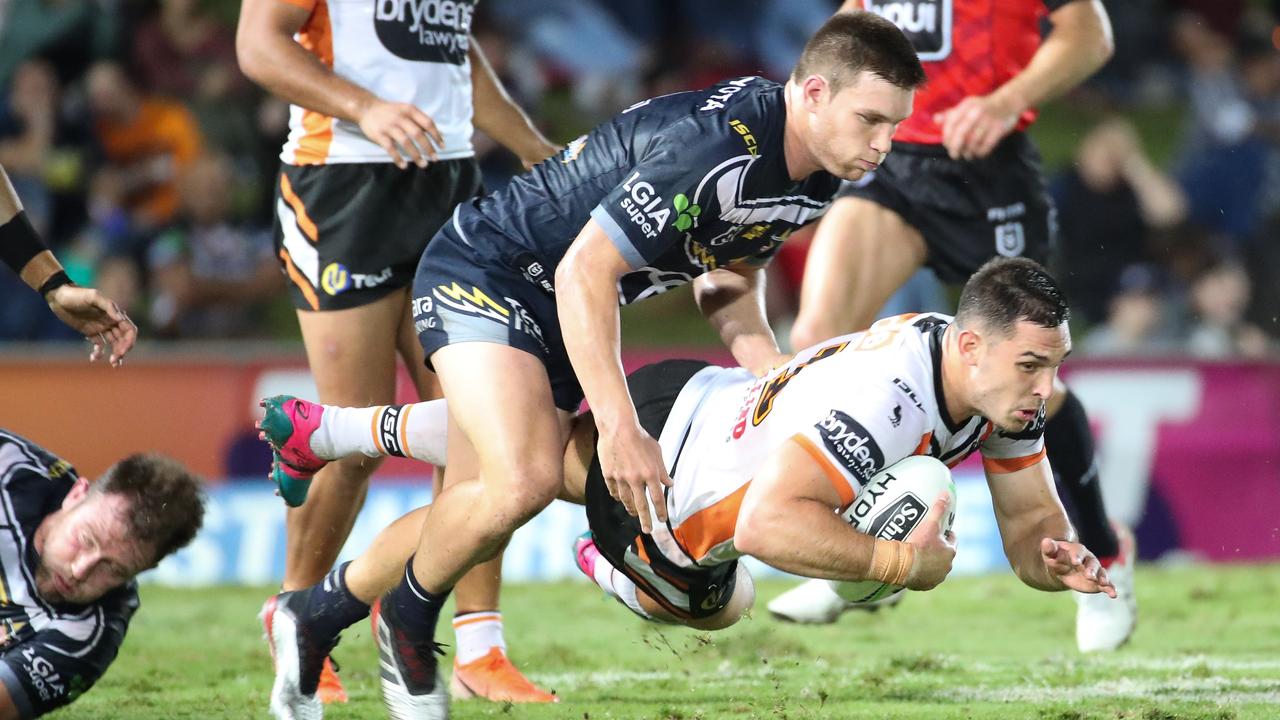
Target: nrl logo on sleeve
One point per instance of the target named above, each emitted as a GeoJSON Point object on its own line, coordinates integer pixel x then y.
{"type": "Point", "coordinates": [848, 440]}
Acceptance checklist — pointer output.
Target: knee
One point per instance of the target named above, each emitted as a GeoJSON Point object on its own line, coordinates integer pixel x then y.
{"type": "Point", "coordinates": [525, 493]}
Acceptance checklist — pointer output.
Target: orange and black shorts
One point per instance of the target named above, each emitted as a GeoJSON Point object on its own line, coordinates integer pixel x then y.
{"type": "Point", "coordinates": [347, 234]}
{"type": "Point", "coordinates": [685, 589]}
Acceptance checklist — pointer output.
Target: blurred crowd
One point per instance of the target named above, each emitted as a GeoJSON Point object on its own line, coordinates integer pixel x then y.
{"type": "Point", "coordinates": [147, 160]}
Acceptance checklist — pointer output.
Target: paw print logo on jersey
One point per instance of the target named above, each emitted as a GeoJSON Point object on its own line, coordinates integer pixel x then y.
{"type": "Point", "coordinates": [685, 212]}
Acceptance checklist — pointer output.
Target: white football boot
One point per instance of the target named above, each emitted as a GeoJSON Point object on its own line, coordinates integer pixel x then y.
{"type": "Point", "coordinates": [814, 602]}
{"type": "Point", "coordinates": [413, 688]}
{"type": "Point", "coordinates": [298, 655]}
{"type": "Point", "coordinates": [1104, 624]}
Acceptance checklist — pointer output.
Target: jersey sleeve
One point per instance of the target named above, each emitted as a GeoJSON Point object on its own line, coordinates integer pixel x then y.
{"type": "Point", "coordinates": [652, 208]}
{"type": "Point", "coordinates": [62, 660]}
{"type": "Point", "coordinates": [1006, 452]}
{"type": "Point", "coordinates": [859, 434]}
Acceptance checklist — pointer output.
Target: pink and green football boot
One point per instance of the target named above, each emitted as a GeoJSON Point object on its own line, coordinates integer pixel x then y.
{"type": "Point", "coordinates": [287, 425]}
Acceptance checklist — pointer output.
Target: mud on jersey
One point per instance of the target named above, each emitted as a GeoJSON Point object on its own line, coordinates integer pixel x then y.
{"type": "Point", "coordinates": [857, 404]}
{"type": "Point", "coordinates": [49, 654]}
{"type": "Point", "coordinates": [682, 184]}
{"type": "Point", "coordinates": [967, 47]}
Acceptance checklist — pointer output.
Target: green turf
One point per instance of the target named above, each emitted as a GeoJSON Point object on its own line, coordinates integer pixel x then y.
{"type": "Point", "coordinates": [1208, 646]}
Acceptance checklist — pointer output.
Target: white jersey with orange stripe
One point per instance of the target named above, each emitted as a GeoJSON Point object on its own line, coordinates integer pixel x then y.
{"type": "Point", "coordinates": [857, 404]}
{"type": "Point", "coordinates": [410, 51]}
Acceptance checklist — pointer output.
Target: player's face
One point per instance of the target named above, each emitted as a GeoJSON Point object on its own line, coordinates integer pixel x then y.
{"type": "Point", "coordinates": [85, 549]}
{"type": "Point", "coordinates": [851, 130]}
{"type": "Point", "coordinates": [1012, 376]}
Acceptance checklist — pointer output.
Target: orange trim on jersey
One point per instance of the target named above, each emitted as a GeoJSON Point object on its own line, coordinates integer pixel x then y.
{"type": "Point", "coordinates": [833, 474]}
{"type": "Point", "coordinates": [317, 37]}
{"type": "Point", "coordinates": [404, 425]}
{"type": "Point", "coordinates": [923, 447]}
{"type": "Point", "coordinates": [711, 526]}
{"type": "Point", "coordinates": [1008, 465]}
{"type": "Point", "coordinates": [305, 224]}
{"type": "Point", "coordinates": [373, 430]}
{"type": "Point", "coordinates": [300, 280]}
{"type": "Point", "coordinates": [640, 551]}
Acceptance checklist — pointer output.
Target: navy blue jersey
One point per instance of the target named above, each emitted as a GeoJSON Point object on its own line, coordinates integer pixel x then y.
{"type": "Point", "coordinates": [682, 184]}
{"type": "Point", "coordinates": [49, 654]}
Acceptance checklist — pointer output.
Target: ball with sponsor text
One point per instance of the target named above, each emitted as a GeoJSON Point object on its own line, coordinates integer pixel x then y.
{"type": "Point", "coordinates": [890, 507]}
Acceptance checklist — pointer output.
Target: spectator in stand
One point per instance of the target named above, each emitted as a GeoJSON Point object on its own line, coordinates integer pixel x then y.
{"type": "Point", "coordinates": [70, 34]}
{"type": "Point", "coordinates": [1109, 203]}
{"type": "Point", "coordinates": [1136, 324]}
{"type": "Point", "coordinates": [1219, 298]}
{"type": "Point", "coordinates": [1224, 161]}
{"type": "Point", "coordinates": [183, 52]}
{"type": "Point", "coordinates": [147, 143]}
{"type": "Point", "coordinates": [210, 275]}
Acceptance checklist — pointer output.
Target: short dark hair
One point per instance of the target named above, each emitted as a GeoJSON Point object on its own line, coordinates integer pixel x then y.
{"type": "Point", "coordinates": [166, 501]}
{"type": "Point", "coordinates": [1005, 291]}
{"type": "Point", "coordinates": [853, 42]}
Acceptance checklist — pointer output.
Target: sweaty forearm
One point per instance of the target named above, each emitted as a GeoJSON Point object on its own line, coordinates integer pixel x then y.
{"type": "Point", "coordinates": [588, 306]}
{"type": "Point", "coordinates": [286, 69]}
{"type": "Point", "coordinates": [1066, 58]}
{"type": "Point", "coordinates": [733, 304]}
{"type": "Point", "coordinates": [498, 116]}
{"type": "Point", "coordinates": [1024, 554]}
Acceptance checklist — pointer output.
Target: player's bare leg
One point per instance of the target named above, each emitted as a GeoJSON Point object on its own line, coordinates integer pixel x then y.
{"type": "Point", "coordinates": [499, 397]}
{"type": "Point", "coordinates": [480, 656]}
{"type": "Point", "coordinates": [861, 254]}
{"type": "Point", "coordinates": [352, 354]}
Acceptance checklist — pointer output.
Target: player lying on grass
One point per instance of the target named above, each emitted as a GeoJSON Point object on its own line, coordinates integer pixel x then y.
{"type": "Point", "coordinates": [68, 559]}
{"type": "Point", "coordinates": [759, 465]}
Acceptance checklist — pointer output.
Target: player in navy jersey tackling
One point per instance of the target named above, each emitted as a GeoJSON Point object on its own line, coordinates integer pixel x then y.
{"type": "Point", "coordinates": [69, 551]}
{"type": "Point", "coordinates": [763, 466]}
{"type": "Point", "coordinates": [516, 299]}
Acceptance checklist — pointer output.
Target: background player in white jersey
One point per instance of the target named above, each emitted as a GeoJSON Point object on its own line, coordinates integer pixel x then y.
{"type": "Point", "coordinates": [385, 96]}
{"type": "Point", "coordinates": [963, 185]}
{"type": "Point", "coordinates": [68, 555]}
{"type": "Point", "coordinates": [761, 466]}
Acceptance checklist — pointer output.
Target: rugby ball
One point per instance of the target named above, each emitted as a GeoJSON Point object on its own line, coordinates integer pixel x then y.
{"type": "Point", "coordinates": [890, 507]}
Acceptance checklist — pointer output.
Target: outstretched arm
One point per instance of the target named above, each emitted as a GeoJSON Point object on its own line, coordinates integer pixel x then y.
{"type": "Point", "coordinates": [1038, 538]}
{"type": "Point", "coordinates": [85, 310]}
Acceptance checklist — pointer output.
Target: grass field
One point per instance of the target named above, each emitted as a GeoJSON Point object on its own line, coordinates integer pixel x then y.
{"type": "Point", "coordinates": [1207, 646]}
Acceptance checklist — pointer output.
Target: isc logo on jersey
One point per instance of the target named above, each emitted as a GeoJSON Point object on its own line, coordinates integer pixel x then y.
{"type": "Point", "coordinates": [425, 30]}
{"type": "Point", "coordinates": [848, 440]}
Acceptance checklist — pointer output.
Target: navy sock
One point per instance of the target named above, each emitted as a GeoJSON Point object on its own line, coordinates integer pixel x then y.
{"type": "Point", "coordinates": [330, 606]}
{"type": "Point", "coordinates": [417, 611]}
{"type": "Point", "coordinates": [1069, 444]}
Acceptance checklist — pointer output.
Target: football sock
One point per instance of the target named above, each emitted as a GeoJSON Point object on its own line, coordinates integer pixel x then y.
{"type": "Point", "coordinates": [625, 591]}
{"type": "Point", "coordinates": [419, 431]}
{"type": "Point", "coordinates": [475, 633]}
{"type": "Point", "coordinates": [1069, 444]}
{"type": "Point", "coordinates": [330, 606]}
{"type": "Point", "coordinates": [417, 610]}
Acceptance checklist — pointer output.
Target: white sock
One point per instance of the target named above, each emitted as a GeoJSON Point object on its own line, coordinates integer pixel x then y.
{"type": "Point", "coordinates": [625, 590]}
{"type": "Point", "coordinates": [603, 573]}
{"type": "Point", "coordinates": [476, 633]}
{"type": "Point", "coordinates": [419, 431]}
